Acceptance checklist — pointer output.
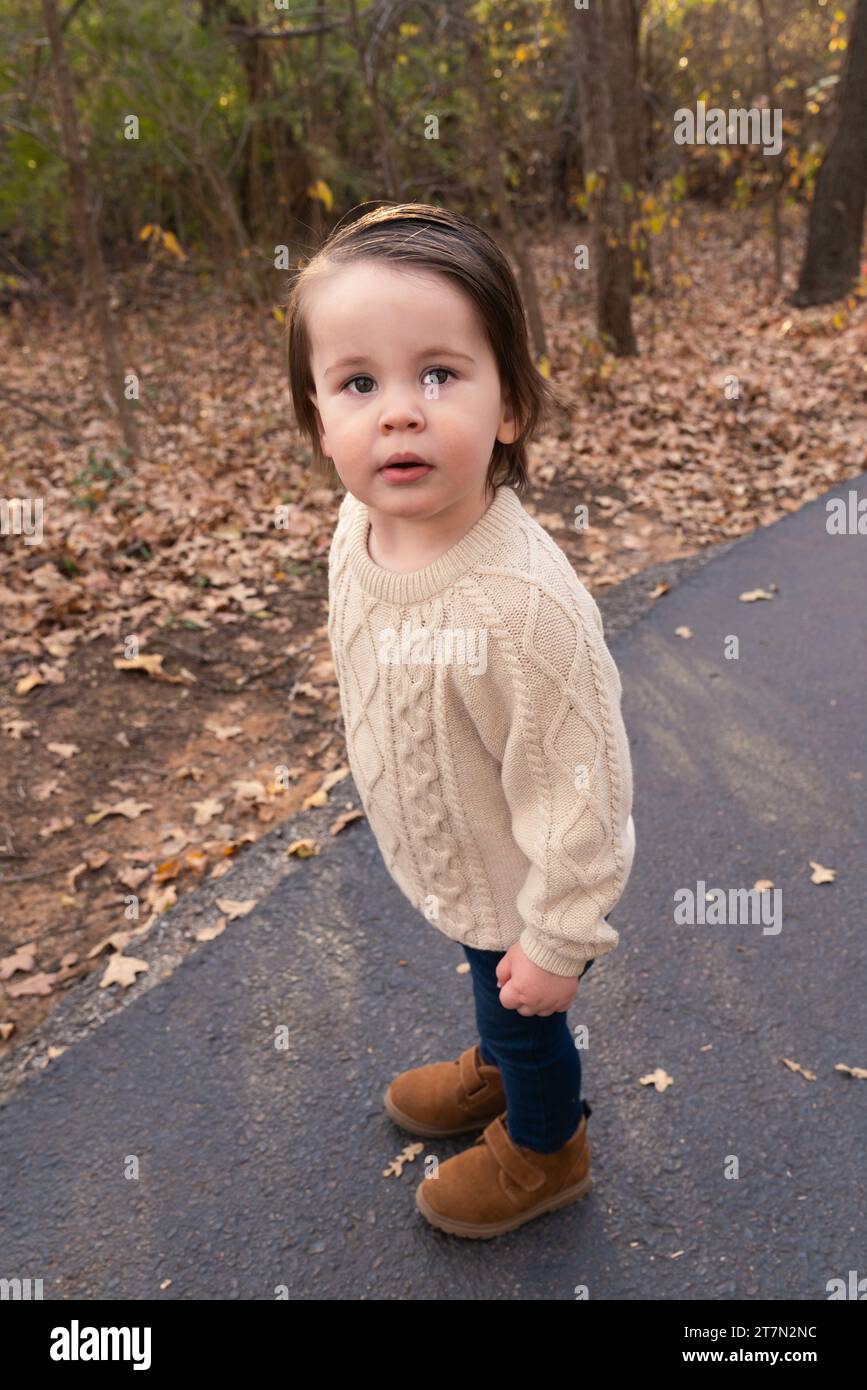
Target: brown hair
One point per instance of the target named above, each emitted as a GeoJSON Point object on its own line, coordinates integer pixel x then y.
{"type": "Point", "coordinates": [421, 236]}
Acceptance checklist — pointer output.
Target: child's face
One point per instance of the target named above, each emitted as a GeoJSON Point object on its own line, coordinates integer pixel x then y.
{"type": "Point", "coordinates": [397, 327]}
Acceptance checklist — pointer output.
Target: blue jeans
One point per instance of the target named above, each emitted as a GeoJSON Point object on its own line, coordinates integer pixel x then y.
{"type": "Point", "coordinates": [538, 1060]}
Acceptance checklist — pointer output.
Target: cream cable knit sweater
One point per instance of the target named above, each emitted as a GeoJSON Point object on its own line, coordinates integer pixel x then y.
{"type": "Point", "coordinates": [481, 709]}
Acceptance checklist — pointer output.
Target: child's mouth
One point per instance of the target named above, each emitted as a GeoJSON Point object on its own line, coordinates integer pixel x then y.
{"type": "Point", "coordinates": [405, 472]}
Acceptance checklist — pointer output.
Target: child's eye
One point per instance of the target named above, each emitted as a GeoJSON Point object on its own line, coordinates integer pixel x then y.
{"type": "Point", "coordinates": [447, 371]}
{"type": "Point", "coordinates": [358, 378]}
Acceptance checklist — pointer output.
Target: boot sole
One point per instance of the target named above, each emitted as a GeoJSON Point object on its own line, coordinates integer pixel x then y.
{"type": "Point", "coordinates": [429, 1131]}
{"type": "Point", "coordinates": [477, 1232]}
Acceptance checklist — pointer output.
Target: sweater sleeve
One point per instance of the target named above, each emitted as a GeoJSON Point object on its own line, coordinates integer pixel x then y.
{"type": "Point", "coordinates": [548, 709]}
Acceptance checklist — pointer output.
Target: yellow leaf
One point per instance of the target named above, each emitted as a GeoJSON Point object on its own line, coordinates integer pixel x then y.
{"type": "Point", "coordinates": [320, 190]}
{"type": "Point", "coordinates": [303, 848]}
{"type": "Point", "coordinates": [171, 243]}
{"type": "Point", "coordinates": [544, 367]}
{"type": "Point", "coordinates": [146, 231]}
{"type": "Point", "coordinates": [278, 314]}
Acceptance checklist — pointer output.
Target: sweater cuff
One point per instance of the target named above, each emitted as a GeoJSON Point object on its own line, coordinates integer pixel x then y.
{"type": "Point", "coordinates": [563, 957]}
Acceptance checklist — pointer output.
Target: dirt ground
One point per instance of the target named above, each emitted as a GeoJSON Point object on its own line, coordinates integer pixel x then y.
{"type": "Point", "coordinates": [166, 689]}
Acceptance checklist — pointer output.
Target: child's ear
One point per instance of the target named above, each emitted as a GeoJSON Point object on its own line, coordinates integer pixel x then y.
{"type": "Point", "coordinates": [311, 395]}
{"type": "Point", "coordinates": [509, 427]}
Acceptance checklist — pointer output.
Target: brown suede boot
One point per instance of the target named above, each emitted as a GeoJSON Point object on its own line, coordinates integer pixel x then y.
{"type": "Point", "coordinates": [446, 1098]}
{"type": "Point", "coordinates": [497, 1185]}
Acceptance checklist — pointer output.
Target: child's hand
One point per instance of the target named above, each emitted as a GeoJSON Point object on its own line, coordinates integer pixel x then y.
{"type": "Point", "coordinates": [530, 989]}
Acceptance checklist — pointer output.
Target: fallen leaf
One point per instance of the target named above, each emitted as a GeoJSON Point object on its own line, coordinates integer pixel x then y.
{"type": "Point", "coordinates": [43, 790]}
{"type": "Point", "coordinates": [305, 688]}
{"type": "Point", "coordinates": [206, 810]}
{"type": "Point", "coordinates": [64, 750]}
{"type": "Point", "coordinates": [252, 791]}
{"type": "Point", "coordinates": [796, 1066]}
{"type": "Point", "coordinates": [170, 869]}
{"type": "Point", "coordinates": [821, 874]}
{"type": "Point", "coordinates": [23, 958]}
{"type": "Point", "coordinates": [132, 878]}
{"type": "Point", "coordinates": [235, 909]}
{"type": "Point", "coordinates": [754, 594]}
{"type": "Point", "coordinates": [337, 825]}
{"type": "Point", "coordinates": [122, 970]}
{"type": "Point", "coordinates": [55, 826]}
{"type": "Point", "coordinates": [406, 1155]}
{"type": "Point", "coordinates": [152, 663]}
{"type": "Point", "coordinates": [683, 632]}
{"type": "Point", "coordinates": [208, 933]}
{"type": "Point", "coordinates": [338, 775]}
{"type": "Point", "coordinates": [74, 873]}
{"type": "Point", "coordinates": [224, 731]}
{"type": "Point", "coordinates": [860, 1072]}
{"type": "Point", "coordinates": [27, 683]}
{"type": "Point", "coordinates": [15, 728]}
{"type": "Point", "coordinates": [658, 1078]}
{"type": "Point", "coordinates": [117, 941]}
{"type": "Point", "coordinates": [36, 984]}
{"type": "Point", "coordinates": [160, 900]}
{"type": "Point", "coordinates": [303, 848]}
{"type": "Point", "coordinates": [130, 808]}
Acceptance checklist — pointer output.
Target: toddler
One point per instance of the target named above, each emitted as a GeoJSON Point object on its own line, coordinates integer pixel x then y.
{"type": "Point", "coordinates": [481, 705]}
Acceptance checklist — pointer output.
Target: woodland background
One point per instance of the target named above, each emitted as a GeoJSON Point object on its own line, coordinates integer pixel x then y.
{"type": "Point", "coordinates": [166, 692]}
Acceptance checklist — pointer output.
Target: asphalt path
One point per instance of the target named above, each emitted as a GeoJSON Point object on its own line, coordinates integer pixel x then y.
{"type": "Point", "coordinates": [222, 1127]}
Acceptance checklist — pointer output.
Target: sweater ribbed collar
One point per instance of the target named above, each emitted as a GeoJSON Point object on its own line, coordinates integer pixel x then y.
{"type": "Point", "coordinates": [498, 523]}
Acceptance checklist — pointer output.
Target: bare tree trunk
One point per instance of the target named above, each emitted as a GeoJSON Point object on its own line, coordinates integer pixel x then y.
{"type": "Point", "coordinates": [387, 162]}
{"type": "Point", "coordinates": [836, 227]}
{"type": "Point", "coordinates": [612, 257]}
{"type": "Point", "coordinates": [776, 166]}
{"type": "Point", "coordinates": [96, 281]}
{"type": "Point", "coordinates": [512, 236]}
{"type": "Point", "coordinates": [621, 21]}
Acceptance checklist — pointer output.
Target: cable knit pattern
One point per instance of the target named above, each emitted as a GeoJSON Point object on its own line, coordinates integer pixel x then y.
{"type": "Point", "coordinates": [481, 708]}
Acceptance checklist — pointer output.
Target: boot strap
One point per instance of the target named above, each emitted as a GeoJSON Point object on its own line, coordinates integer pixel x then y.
{"type": "Point", "coordinates": [510, 1159]}
{"type": "Point", "coordinates": [472, 1082]}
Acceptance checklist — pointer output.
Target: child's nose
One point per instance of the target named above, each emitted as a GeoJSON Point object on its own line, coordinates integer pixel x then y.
{"type": "Point", "coordinates": [401, 412]}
